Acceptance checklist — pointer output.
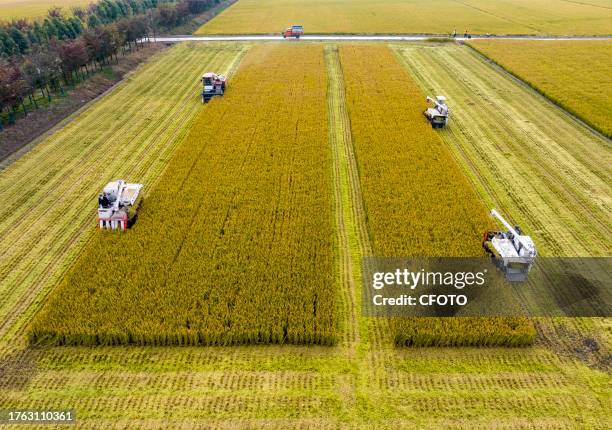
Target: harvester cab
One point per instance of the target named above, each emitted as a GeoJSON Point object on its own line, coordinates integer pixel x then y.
{"type": "Point", "coordinates": [293, 31]}
{"type": "Point", "coordinates": [213, 85]}
{"type": "Point", "coordinates": [512, 252]}
{"type": "Point", "coordinates": [117, 205]}
{"type": "Point", "coordinates": [439, 113]}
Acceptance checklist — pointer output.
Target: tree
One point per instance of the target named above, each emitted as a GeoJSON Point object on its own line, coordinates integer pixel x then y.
{"type": "Point", "coordinates": [167, 15]}
{"type": "Point", "coordinates": [49, 29]}
{"type": "Point", "coordinates": [79, 12]}
{"type": "Point", "coordinates": [47, 65]}
{"type": "Point", "coordinates": [73, 55]}
{"type": "Point", "coordinates": [55, 12]}
{"type": "Point", "coordinates": [93, 21]}
{"type": "Point", "coordinates": [7, 45]}
{"type": "Point", "coordinates": [76, 24]}
{"type": "Point", "coordinates": [20, 39]}
{"type": "Point", "coordinates": [40, 32]}
{"type": "Point", "coordinates": [13, 87]}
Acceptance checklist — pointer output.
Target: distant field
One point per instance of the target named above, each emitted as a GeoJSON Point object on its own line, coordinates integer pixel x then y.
{"type": "Point", "coordinates": [415, 16]}
{"type": "Point", "coordinates": [575, 75]}
{"type": "Point", "coordinates": [10, 9]}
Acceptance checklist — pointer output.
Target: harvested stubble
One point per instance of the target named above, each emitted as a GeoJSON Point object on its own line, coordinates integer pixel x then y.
{"type": "Point", "coordinates": [574, 75]}
{"type": "Point", "coordinates": [418, 201]}
{"type": "Point", "coordinates": [235, 243]}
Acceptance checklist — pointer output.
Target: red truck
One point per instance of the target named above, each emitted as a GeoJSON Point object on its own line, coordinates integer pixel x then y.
{"type": "Point", "coordinates": [293, 31]}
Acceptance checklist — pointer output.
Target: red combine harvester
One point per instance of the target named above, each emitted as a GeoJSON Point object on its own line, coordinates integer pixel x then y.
{"type": "Point", "coordinates": [214, 85]}
{"type": "Point", "coordinates": [293, 31]}
{"type": "Point", "coordinates": [117, 205]}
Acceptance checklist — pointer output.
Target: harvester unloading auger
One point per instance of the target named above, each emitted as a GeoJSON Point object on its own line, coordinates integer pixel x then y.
{"type": "Point", "coordinates": [117, 205]}
{"type": "Point", "coordinates": [512, 252]}
{"type": "Point", "coordinates": [439, 113]}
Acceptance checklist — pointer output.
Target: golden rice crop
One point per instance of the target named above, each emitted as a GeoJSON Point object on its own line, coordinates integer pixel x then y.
{"type": "Point", "coordinates": [573, 74]}
{"type": "Point", "coordinates": [417, 199]}
{"type": "Point", "coordinates": [413, 16]}
{"type": "Point", "coordinates": [235, 243]}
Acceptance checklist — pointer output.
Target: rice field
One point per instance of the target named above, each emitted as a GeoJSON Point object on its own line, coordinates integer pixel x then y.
{"type": "Point", "coordinates": [414, 16]}
{"type": "Point", "coordinates": [572, 74]}
{"type": "Point", "coordinates": [363, 381]}
{"type": "Point", "coordinates": [416, 198]}
{"type": "Point", "coordinates": [15, 9]}
{"type": "Point", "coordinates": [50, 192]}
{"type": "Point", "coordinates": [525, 156]}
{"type": "Point", "coordinates": [231, 246]}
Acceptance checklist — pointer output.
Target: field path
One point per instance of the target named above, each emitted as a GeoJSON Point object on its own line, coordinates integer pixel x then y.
{"type": "Point", "coordinates": [49, 193]}
{"type": "Point", "coordinates": [350, 216]}
{"type": "Point", "coordinates": [361, 38]}
{"type": "Point", "coordinates": [526, 156]}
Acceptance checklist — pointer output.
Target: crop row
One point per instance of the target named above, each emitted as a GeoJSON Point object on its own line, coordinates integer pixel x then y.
{"type": "Point", "coordinates": [417, 199]}
{"type": "Point", "coordinates": [235, 243]}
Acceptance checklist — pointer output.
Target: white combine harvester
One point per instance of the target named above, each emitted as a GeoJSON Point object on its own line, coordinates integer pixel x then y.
{"type": "Point", "coordinates": [438, 114]}
{"type": "Point", "coordinates": [117, 205]}
{"type": "Point", "coordinates": [512, 252]}
{"type": "Point", "coordinates": [213, 85]}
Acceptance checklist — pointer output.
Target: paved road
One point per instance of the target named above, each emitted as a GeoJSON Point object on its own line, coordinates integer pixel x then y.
{"type": "Point", "coordinates": [398, 37]}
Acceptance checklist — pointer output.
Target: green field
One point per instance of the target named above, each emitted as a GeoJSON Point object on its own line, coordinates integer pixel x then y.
{"type": "Point", "coordinates": [12, 9]}
{"type": "Point", "coordinates": [573, 74]}
{"type": "Point", "coordinates": [415, 16]}
{"type": "Point", "coordinates": [517, 151]}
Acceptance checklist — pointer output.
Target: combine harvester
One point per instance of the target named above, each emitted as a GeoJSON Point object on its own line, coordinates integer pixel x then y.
{"type": "Point", "coordinates": [293, 31]}
{"type": "Point", "coordinates": [438, 114]}
{"type": "Point", "coordinates": [512, 252]}
{"type": "Point", "coordinates": [117, 205]}
{"type": "Point", "coordinates": [214, 85]}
